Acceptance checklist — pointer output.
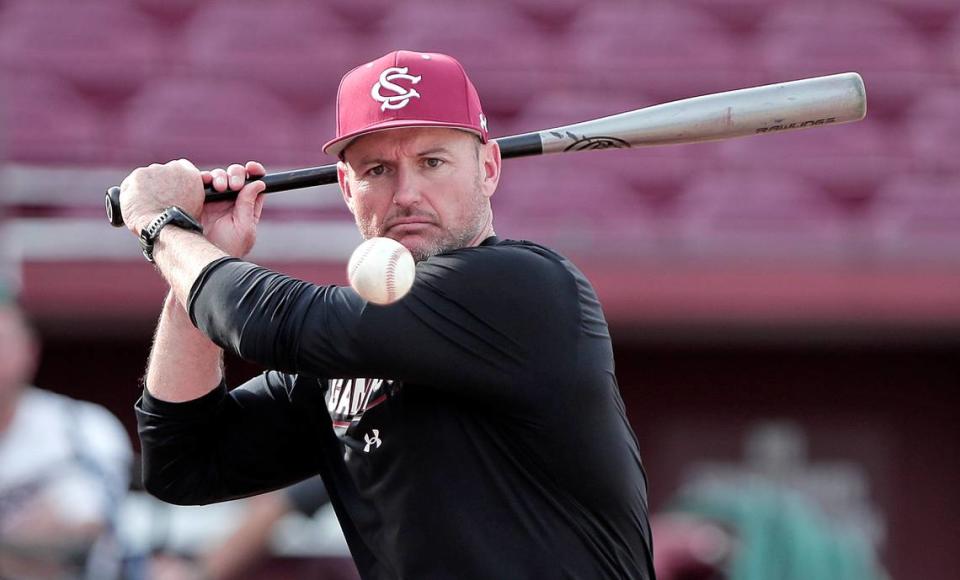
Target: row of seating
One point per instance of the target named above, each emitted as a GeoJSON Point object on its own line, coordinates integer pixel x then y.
{"type": "Point", "coordinates": [544, 16]}
{"type": "Point", "coordinates": [758, 201]}
{"type": "Point", "coordinates": [215, 120]}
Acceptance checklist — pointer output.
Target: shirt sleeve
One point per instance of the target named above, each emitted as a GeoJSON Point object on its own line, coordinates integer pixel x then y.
{"type": "Point", "coordinates": [496, 322]}
{"type": "Point", "coordinates": [226, 445]}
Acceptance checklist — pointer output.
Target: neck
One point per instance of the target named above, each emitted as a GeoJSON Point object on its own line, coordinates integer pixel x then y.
{"type": "Point", "coordinates": [485, 232]}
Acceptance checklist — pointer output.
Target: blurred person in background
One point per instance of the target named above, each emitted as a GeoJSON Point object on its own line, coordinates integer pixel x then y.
{"type": "Point", "coordinates": [238, 554]}
{"type": "Point", "coordinates": [64, 469]}
{"type": "Point", "coordinates": [757, 532]}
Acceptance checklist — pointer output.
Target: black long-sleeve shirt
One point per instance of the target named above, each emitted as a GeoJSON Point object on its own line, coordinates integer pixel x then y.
{"type": "Point", "coordinates": [473, 429]}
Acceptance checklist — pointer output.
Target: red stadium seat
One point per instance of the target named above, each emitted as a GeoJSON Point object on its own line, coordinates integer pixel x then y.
{"type": "Point", "coordinates": [931, 131]}
{"type": "Point", "coordinates": [761, 214]}
{"type": "Point", "coordinates": [917, 216]}
{"type": "Point", "coordinates": [365, 16]}
{"type": "Point", "coordinates": [664, 50]}
{"type": "Point", "coordinates": [291, 47]}
{"type": "Point", "coordinates": [553, 108]}
{"type": "Point", "coordinates": [926, 16]}
{"type": "Point", "coordinates": [847, 161]}
{"type": "Point", "coordinates": [654, 173]}
{"type": "Point", "coordinates": [565, 191]}
{"type": "Point", "coordinates": [44, 120]}
{"type": "Point", "coordinates": [508, 74]}
{"type": "Point", "coordinates": [553, 16]}
{"type": "Point", "coordinates": [213, 122]}
{"type": "Point", "coordinates": [170, 12]}
{"type": "Point", "coordinates": [893, 60]}
{"type": "Point", "coordinates": [950, 51]}
{"type": "Point", "coordinates": [742, 16]}
{"type": "Point", "coordinates": [107, 49]}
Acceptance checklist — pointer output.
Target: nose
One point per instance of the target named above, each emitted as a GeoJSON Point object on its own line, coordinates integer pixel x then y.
{"type": "Point", "coordinates": [408, 187]}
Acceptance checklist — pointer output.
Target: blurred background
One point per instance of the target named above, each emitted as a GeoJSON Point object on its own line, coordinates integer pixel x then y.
{"type": "Point", "coordinates": [785, 308]}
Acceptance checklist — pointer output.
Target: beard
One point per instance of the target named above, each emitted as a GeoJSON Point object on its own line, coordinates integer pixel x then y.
{"type": "Point", "coordinates": [452, 238]}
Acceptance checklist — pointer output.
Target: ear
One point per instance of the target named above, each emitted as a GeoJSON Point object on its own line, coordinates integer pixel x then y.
{"type": "Point", "coordinates": [342, 173]}
{"type": "Point", "coordinates": [490, 163]}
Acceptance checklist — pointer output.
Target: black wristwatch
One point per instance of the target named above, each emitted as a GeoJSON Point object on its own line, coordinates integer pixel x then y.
{"type": "Point", "coordinates": [172, 215]}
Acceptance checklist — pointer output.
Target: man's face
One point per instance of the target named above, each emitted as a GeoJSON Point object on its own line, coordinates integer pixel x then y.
{"type": "Point", "coordinates": [18, 354]}
{"type": "Point", "coordinates": [427, 188]}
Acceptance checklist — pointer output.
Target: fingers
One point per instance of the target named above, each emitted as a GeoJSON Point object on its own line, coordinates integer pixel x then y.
{"type": "Point", "coordinates": [250, 203]}
{"type": "Point", "coordinates": [218, 177]}
{"type": "Point", "coordinates": [237, 175]}
{"type": "Point", "coordinates": [255, 169]}
{"type": "Point", "coordinates": [234, 177]}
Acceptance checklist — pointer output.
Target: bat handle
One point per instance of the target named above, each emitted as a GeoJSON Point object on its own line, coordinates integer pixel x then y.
{"type": "Point", "coordinates": [282, 181]}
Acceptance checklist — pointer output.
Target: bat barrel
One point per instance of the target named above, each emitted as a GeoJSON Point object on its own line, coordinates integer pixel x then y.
{"type": "Point", "coordinates": [801, 104]}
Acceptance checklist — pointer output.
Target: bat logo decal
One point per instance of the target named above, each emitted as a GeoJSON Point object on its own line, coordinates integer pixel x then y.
{"type": "Point", "coordinates": [586, 143]}
{"type": "Point", "coordinates": [787, 126]}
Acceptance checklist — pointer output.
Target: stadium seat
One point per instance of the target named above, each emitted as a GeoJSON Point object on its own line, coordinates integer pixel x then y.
{"type": "Point", "coordinates": [893, 60]}
{"type": "Point", "coordinates": [925, 16]}
{"type": "Point", "coordinates": [170, 12]}
{"type": "Point", "coordinates": [848, 162]}
{"type": "Point", "coordinates": [45, 121]}
{"type": "Point", "coordinates": [564, 106]}
{"type": "Point", "coordinates": [508, 75]}
{"type": "Point", "coordinates": [213, 122]}
{"type": "Point", "coordinates": [550, 16]}
{"type": "Point", "coordinates": [949, 50]}
{"type": "Point", "coordinates": [761, 214]}
{"type": "Point", "coordinates": [816, 15]}
{"type": "Point", "coordinates": [664, 50]}
{"type": "Point", "coordinates": [363, 16]}
{"type": "Point", "coordinates": [105, 49]}
{"type": "Point", "coordinates": [291, 47]}
{"type": "Point", "coordinates": [917, 216]}
{"type": "Point", "coordinates": [565, 190]}
{"type": "Point", "coordinates": [654, 173]}
{"type": "Point", "coordinates": [319, 128]}
{"type": "Point", "coordinates": [741, 16]}
{"type": "Point", "coordinates": [931, 131]}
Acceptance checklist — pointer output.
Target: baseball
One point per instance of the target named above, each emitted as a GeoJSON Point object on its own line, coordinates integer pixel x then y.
{"type": "Point", "coordinates": [381, 270]}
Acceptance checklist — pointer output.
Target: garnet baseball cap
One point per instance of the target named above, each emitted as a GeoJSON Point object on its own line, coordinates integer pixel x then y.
{"type": "Point", "coordinates": [406, 89]}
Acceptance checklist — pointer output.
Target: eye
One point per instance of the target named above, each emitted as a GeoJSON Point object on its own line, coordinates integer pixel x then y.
{"type": "Point", "coordinates": [433, 162]}
{"type": "Point", "coordinates": [376, 170]}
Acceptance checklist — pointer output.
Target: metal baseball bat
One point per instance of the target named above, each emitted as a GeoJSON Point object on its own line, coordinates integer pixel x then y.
{"type": "Point", "coordinates": [789, 106]}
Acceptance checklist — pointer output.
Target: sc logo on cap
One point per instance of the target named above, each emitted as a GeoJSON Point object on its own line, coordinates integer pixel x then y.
{"type": "Point", "coordinates": [401, 96]}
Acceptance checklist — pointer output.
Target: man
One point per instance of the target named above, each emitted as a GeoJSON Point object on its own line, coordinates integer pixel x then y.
{"type": "Point", "coordinates": [64, 468]}
{"type": "Point", "coordinates": [473, 429]}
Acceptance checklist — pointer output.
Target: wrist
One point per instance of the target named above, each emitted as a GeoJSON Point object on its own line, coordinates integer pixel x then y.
{"type": "Point", "coordinates": [173, 216]}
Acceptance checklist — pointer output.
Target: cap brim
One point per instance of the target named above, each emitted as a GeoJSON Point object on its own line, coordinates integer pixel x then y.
{"type": "Point", "coordinates": [336, 146]}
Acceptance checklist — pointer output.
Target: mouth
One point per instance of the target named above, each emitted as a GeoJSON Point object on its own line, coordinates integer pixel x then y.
{"type": "Point", "coordinates": [409, 224]}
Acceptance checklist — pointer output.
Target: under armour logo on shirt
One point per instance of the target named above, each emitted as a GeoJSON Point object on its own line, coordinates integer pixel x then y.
{"type": "Point", "coordinates": [401, 96]}
{"type": "Point", "coordinates": [375, 440]}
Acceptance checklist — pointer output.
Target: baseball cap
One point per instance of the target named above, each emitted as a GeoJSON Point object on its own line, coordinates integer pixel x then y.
{"type": "Point", "coordinates": [406, 89]}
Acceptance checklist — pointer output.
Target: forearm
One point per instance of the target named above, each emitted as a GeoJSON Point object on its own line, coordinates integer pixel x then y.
{"type": "Point", "coordinates": [184, 364]}
{"type": "Point", "coordinates": [181, 256]}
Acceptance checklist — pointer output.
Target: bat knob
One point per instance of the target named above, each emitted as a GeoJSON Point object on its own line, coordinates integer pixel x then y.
{"type": "Point", "coordinates": [112, 205]}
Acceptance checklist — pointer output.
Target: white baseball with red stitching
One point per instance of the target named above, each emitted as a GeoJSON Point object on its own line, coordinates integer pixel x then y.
{"type": "Point", "coordinates": [381, 270]}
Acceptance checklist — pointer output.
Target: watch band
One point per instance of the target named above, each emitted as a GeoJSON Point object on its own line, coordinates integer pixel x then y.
{"type": "Point", "coordinates": [172, 215]}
